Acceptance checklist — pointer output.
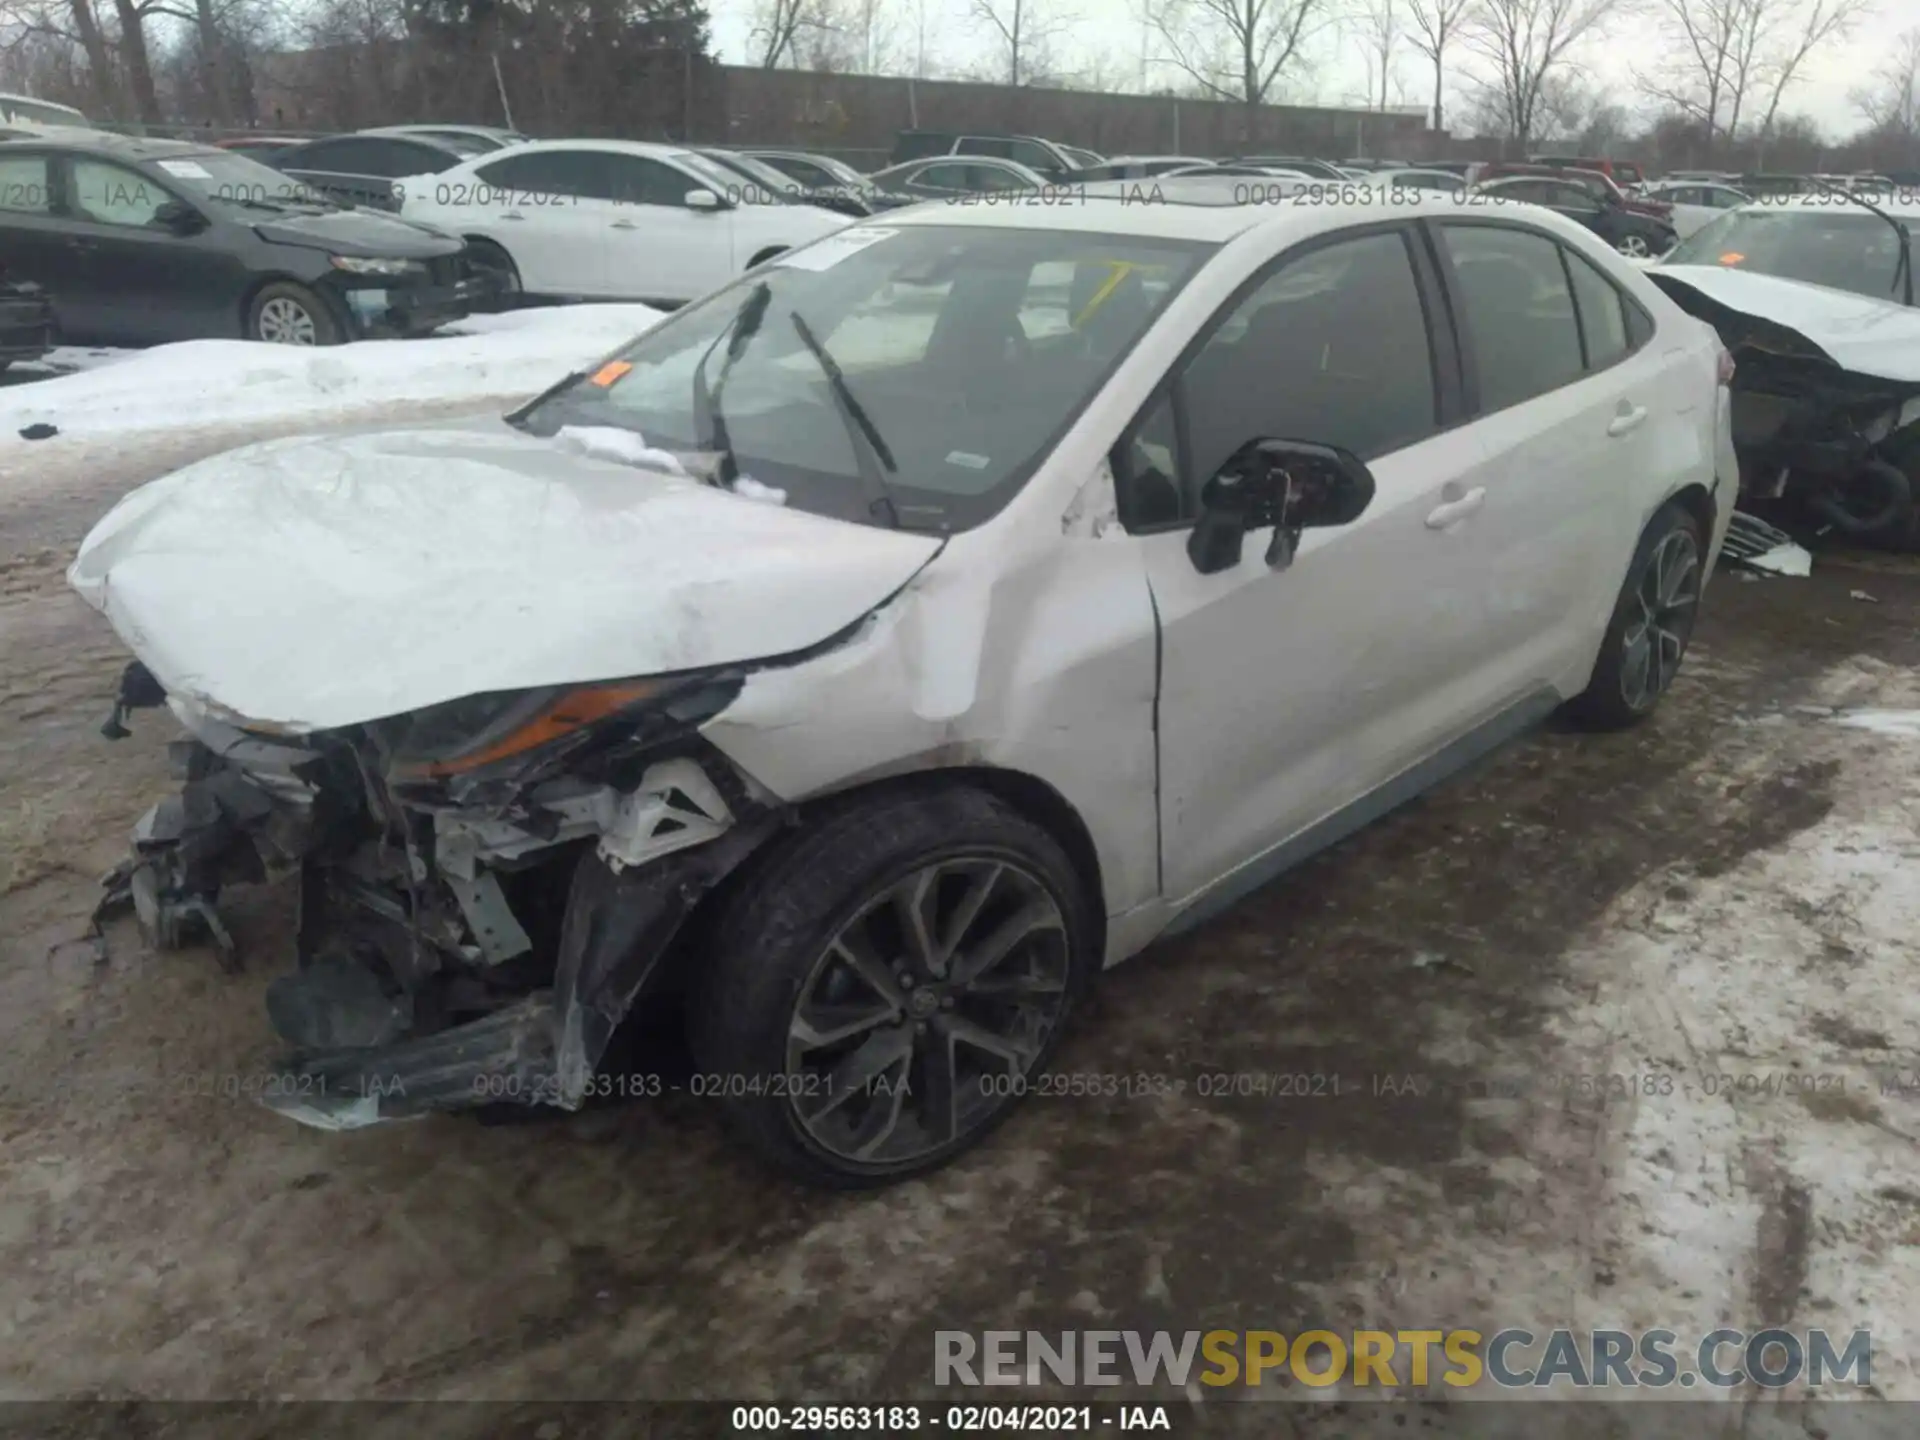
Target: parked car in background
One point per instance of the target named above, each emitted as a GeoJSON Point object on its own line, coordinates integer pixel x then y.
{"type": "Point", "coordinates": [1624, 173]}
{"type": "Point", "coordinates": [1700, 177]}
{"type": "Point", "coordinates": [140, 241]}
{"type": "Point", "coordinates": [756, 182]}
{"type": "Point", "coordinates": [1043, 157]}
{"type": "Point", "coordinates": [1374, 165]}
{"type": "Point", "coordinates": [1124, 559]}
{"type": "Point", "coordinates": [609, 219]}
{"type": "Point", "coordinates": [468, 139]}
{"type": "Point", "coordinates": [264, 148]}
{"type": "Point", "coordinates": [25, 110]}
{"type": "Point", "coordinates": [1604, 189]}
{"type": "Point", "coordinates": [951, 178]}
{"type": "Point", "coordinates": [1765, 186]}
{"type": "Point", "coordinates": [1629, 231]}
{"type": "Point", "coordinates": [26, 317]}
{"type": "Point", "coordinates": [360, 169]}
{"type": "Point", "coordinates": [1234, 169]}
{"type": "Point", "coordinates": [1814, 298]}
{"type": "Point", "coordinates": [1413, 178]}
{"type": "Point", "coordinates": [1080, 156]}
{"type": "Point", "coordinates": [820, 171]}
{"type": "Point", "coordinates": [1133, 167]}
{"type": "Point", "coordinates": [1300, 164]}
{"type": "Point", "coordinates": [1695, 203]}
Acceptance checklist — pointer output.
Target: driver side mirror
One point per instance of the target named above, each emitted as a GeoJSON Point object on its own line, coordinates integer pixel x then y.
{"type": "Point", "coordinates": [1292, 485]}
{"type": "Point", "coordinates": [702, 200]}
{"type": "Point", "coordinates": [177, 217]}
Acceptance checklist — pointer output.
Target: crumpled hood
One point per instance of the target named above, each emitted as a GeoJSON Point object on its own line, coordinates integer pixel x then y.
{"type": "Point", "coordinates": [1873, 337]}
{"type": "Point", "coordinates": [359, 232]}
{"type": "Point", "coordinates": [327, 581]}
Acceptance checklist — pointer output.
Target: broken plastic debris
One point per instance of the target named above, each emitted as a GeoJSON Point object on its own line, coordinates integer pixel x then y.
{"type": "Point", "coordinates": [609, 442]}
{"type": "Point", "coordinates": [748, 488]}
{"type": "Point", "coordinates": [1862, 595]}
{"type": "Point", "coordinates": [1788, 559]}
{"type": "Point", "coordinates": [1883, 722]}
{"type": "Point", "coordinates": [1427, 960]}
{"type": "Point", "coordinates": [39, 430]}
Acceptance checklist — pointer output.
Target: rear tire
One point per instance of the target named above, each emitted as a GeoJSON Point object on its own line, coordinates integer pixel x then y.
{"type": "Point", "coordinates": [1652, 621]}
{"type": "Point", "coordinates": [850, 1047]}
{"type": "Point", "coordinates": [284, 313]}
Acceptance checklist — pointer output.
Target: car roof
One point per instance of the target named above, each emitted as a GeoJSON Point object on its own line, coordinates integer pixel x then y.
{"type": "Point", "coordinates": [122, 147]}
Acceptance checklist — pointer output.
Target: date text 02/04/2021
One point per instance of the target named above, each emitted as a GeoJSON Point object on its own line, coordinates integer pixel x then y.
{"type": "Point", "coordinates": [953, 1419]}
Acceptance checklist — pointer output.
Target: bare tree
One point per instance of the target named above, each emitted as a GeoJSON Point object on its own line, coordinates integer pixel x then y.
{"type": "Point", "coordinates": [1022, 31]}
{"type": "Point", "coordinates": [1891, 104]}
{"type": "Point", "coordinates": [1526, 42]}
{"type": "Point", "coordinates": [1380, 31]}
{"type": "Point", "coordinates": [1436, 24]}
{"type": "Point", "coordinates": [1818, 22]}
{"type": "Point", "coordinates": [776, 25]}
{"type": "Point", "coordinates": [1236, 49]}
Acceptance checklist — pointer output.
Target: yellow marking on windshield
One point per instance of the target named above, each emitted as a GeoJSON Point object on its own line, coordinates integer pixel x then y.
{"type": "Point", "coordinates": [1121, 269]}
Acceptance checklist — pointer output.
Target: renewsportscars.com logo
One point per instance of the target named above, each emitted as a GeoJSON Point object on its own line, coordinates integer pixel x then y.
{"type": "Point", "coordinates": [1507, 1359]}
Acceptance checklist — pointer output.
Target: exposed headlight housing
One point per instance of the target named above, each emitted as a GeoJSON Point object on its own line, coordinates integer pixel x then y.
{"type": "Point", "coordinates": [373, 265]}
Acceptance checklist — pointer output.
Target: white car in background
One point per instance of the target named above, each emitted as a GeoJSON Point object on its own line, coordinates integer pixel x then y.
{"type": "Point", "coordinates": [878, 649]}
{"type": "Point", "coordinates": [609, 219]}
{"type": "Point", "coordinates": [1695, 202]}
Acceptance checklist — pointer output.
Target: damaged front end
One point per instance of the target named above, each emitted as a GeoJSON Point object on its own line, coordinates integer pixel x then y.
{"type": "Point", "coordinates": [485, 887]}
{"type": "Point", "coordinates": [1836, 448]}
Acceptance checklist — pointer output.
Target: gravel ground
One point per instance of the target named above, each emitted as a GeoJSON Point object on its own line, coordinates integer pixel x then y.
{"type": "Point", "coordinates": [1728, 892]}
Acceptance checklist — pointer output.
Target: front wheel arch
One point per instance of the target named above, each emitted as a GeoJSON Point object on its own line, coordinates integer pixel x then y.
{"type": "Point", "coordinates": [767, 254]}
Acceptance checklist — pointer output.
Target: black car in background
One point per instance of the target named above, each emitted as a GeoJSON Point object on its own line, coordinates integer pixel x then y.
{"type": "Point", "coordinates": [761, 183]}
{"type": "Point", "coordinates": [142, 241]}
{"type": "Point", "coordinates": [360, 169]}
{"type": "Point", "coordinates": [1630, 231]}
{"type": "Point", "coordinates": [26, 320]}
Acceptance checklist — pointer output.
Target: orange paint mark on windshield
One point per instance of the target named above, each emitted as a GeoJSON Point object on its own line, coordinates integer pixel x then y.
{"type": "Point", "coordinates": [610, 372]}
{"type": "Point", "coordinates": [1732, 257]}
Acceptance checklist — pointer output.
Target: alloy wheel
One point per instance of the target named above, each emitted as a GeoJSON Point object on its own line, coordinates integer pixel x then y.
{"type": "Point", "coordinates": [925, 1012]}
{"type": "Point", "coordinates": [1667, 594]}
{"type": "Point", "coordinates": [1636, 246]}
{"type": "Point", "coordinates": [286, 322]}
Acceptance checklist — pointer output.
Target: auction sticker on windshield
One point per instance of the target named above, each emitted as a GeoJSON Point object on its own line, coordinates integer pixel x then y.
{"type": "Point", "coordinates": [185, 169]}
{"type": "Point", "coordinates": [827, 253]}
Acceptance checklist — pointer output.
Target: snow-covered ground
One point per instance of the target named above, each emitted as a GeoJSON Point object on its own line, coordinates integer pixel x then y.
{"type": "Point", "coordinates": [204, 383]}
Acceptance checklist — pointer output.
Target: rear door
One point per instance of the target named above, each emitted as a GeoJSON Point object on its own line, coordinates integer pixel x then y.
{"type": "Point", "coordinates": [1288, 694]}
{"type": "Point", "coordinates": [1576, 416]}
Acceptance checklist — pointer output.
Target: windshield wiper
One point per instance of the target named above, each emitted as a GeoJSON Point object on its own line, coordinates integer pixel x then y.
{"type": "Point", "coordinates": [1903, 267]}
{"type": "Point", "coordinates": [874, 454]}
{"type": "Point", "coordinates": [709, 424]}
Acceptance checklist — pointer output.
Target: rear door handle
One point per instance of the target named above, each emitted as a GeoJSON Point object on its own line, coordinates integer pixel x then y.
{"type": "Point", "coordinates": [1445, 514]}
{"type": "Point", "coordinates": [624, 225]}
{"type": "Point", "coordinates": [512, 215]}
{"type": "Point", "coordinates": [1627, 419]}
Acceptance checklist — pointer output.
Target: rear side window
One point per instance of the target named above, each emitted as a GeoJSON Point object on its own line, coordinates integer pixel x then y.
{"type": "Point", "coordinates": [952, 176]}
{"type": "Point", "coordinates": [986, 145]}
{"type": "Point", "coordinates": [1517, 309]}
{"type": "Point", "coordinates": [1603, 313]}
{"type": "Point", "coordinates": [23, 184]}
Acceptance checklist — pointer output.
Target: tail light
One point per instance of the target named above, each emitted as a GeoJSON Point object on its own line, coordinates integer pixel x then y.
{"type": "Point", "coordinates": [1726, 367]}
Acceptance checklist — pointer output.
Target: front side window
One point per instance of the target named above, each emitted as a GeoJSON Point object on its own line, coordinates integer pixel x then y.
{"type": "Point", "coordinates": [1517, 310]}
{"type": "Point", "coordinates": [1820, 244]}
{"type": "Point", "coordinates": [578, 174]}
{"type": "Point", "coordinates": [992, 177]}
{"type": "Point", "coordinates": [1331, 347]}
{"type": "Point", "coordinates": [114, 195]}
{"type": "Point", "coordinates": [951, 176]}
{"type": "Point", "coordinates": [968, 351]}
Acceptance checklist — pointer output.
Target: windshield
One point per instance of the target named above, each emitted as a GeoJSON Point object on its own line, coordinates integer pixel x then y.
{"type": "Point", "coordinates": [1824, 245]}
{"type": "Point", "coordinates": [236, 178]}
{"type": "Point", "coordinates": [963, 354]}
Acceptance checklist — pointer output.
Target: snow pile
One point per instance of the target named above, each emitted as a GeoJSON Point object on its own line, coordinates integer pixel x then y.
{"type": "Point", "coordinates": [749, 488]}
{"type": "Point", "coordinates": [199, 383]}
{"type": "Point", "coordinates": [609, 442]}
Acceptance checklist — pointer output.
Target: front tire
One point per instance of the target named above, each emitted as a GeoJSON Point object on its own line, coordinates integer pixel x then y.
{"type": "Point", "coordinates": [492, 260]}
{"type": "Point", "coordinates": [1635, 247]}
{"type": "Point", "coordinates": [887, 982]}
{"type": "Point", "coordinates": [1652, 621]}
{"type": "Point", "coordinates": [284, 313]}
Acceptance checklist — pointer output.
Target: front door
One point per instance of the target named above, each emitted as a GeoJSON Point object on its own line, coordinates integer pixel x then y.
{"type": "Point", "coordinates": [1287, 694]}
{"type": "Point", "coordinates": [143, 283]}
{"type": "Point", "coordinates": [659, 247]}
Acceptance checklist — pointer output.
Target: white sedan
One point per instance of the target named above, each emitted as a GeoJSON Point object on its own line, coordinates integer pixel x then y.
{"type": "Point", "coordinates": [609, 219]}
{"type": "Point", "coordinates": [1696, 203]}
{"type": "Point", "coordinates": [870, 654]}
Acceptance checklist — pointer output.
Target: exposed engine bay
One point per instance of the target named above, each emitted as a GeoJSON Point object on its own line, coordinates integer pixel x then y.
{"type": "Point", "coordinates": [485, 887]}
{"type": "Point", "coordinates": [1835, 449]}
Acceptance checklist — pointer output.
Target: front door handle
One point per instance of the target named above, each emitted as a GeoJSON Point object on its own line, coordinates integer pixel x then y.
{"type": "Point", "coordinates": [1449, 511]}
{"type": "Point", "coordinates": [623, 225]}
{"type": "Point", "coordinates": [512, 215]}
{"type": "Point", "coordinates": [1628, 418]}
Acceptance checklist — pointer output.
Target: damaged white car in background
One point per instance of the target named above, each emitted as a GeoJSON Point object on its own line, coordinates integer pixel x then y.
{"type": "Point", "coordinates": [975, 598]}
{"type": "Point", "coordinates": [1813, 297]}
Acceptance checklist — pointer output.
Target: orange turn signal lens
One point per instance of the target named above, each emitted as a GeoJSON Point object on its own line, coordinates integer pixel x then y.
{"type": "Point", "coordinates": [570, 712]}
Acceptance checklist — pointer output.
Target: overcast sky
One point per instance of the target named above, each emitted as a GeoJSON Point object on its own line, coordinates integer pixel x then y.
{"type": "Point", "coordinates": [1105, 38]}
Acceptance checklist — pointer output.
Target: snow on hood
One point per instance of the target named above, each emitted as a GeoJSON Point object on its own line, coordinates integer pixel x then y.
{"type": "Point", "coordinates": [326, 581]}
{"type": "Point", "coordinates": [1873, 337]}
